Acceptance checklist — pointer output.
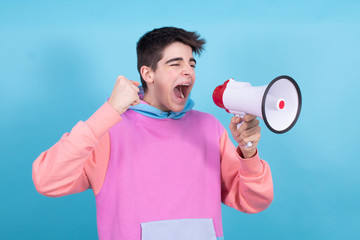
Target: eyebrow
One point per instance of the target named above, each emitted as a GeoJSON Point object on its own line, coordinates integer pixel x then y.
{"type": "Point", "coordinates": [179, 59]}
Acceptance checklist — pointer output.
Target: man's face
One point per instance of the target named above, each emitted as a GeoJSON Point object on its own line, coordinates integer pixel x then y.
{"type": "Point", "coordinates": [173, 79]}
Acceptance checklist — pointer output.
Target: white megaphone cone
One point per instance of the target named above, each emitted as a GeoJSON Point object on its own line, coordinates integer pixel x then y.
{"type": "Point", "coordinates": [278, 103]}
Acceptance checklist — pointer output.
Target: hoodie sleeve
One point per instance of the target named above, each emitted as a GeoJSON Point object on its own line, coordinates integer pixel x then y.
{"type": "Point", "coordinates": [78, 161]}
{"type": "Point", "coordinates": [246, 183]}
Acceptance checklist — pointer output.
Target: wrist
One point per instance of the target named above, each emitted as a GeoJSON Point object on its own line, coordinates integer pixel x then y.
{"type": "Point", "coordinates": [248, 153]}
{"type": "Point", "coordinates": [120, 110]}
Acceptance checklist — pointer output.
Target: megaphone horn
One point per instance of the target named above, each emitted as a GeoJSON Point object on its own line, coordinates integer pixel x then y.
{"type": "Point", "coordinates": [278, 103]}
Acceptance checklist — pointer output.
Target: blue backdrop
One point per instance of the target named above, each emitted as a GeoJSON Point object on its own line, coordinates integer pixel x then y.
{"type": "Point", "coordinates": [59, 61]}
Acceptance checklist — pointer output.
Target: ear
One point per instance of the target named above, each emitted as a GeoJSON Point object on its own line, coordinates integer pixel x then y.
{"type": "Point", "coordinates": [147, 74]}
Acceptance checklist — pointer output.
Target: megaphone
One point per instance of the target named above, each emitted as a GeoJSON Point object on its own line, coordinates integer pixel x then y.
{"type": "Point", "coordinates": [278, 103]}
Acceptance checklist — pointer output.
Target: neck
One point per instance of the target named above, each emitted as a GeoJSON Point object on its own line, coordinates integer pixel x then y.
{"type": "Point", "coordinates": [148, 98]}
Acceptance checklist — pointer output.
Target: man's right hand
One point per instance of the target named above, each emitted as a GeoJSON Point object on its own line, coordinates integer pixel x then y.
{"type": "Point", "coordinates": [124, 94]}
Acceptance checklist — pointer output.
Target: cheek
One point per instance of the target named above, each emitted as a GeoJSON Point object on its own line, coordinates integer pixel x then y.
{"type": "Point", "coordinates": [170, 79]}
{"type": "Point", "coordinates": [164, 89]}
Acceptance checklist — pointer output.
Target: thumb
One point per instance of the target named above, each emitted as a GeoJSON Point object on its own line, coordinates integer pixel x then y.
{"type": "Point", "coordinates": [233, 123]}
{"type": "Point", "coordinates": [136, 102]}
{"type": "Point", "coordinates": [135, 83]}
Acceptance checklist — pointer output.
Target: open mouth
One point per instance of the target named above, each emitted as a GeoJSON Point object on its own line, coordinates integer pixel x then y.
{"type": "Point", "coordinates": [182, 91]}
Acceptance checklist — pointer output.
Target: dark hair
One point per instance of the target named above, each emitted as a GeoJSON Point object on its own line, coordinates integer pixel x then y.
{"type": "Point", "coordinates": [151, 45]}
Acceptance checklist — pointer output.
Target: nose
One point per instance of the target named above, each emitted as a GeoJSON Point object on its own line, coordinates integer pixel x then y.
{"type": "Point", "coordinates": [188, 70]}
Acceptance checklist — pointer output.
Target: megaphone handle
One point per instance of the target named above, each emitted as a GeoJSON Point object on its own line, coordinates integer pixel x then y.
{"type": "Point", "coordinates": [249, 144]}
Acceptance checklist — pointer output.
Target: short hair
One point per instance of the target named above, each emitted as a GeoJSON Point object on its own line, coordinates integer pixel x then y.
{"type": "Point", "coordinates": [151, 45]}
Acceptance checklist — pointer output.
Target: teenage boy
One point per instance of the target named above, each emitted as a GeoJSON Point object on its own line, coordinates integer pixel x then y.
{"type": "Point", "coordinates": [158, 169]}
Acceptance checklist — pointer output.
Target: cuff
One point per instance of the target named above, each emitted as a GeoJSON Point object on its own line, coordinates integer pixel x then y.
{"type": "Point", "coordinates": [103, 119]}
{"type": "Point", "coordinates": [250, 167]}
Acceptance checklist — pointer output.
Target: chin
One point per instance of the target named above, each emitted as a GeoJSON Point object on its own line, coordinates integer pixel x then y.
{"type": "Point", "coordinates": [177, 107]}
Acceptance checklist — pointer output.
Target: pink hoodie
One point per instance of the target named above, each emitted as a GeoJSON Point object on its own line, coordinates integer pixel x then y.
{"type": "Point", "coordinates": [149, 174]}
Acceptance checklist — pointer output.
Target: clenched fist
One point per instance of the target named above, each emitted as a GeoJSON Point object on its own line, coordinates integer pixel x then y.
{"type": "Point", "coordinates": [124, 94]}
{"type": "Point", "coordinates": [249, 131]}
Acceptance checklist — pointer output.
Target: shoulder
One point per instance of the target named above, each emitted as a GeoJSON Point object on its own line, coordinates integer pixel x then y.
{"type": "Point", "coordinates": [206, 120]}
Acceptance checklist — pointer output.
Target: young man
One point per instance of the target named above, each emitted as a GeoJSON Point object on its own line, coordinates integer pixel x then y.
{"type": "Point", "coordinates": [158, 169]}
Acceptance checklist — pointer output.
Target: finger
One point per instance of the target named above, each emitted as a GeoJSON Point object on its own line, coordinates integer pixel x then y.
{"type": "Point", "coordinates": [233, 123]}
{"type": "Point", "coordinates": [252, 135]}
{"type": "Point", "coordinates": [136, 102]}
{"type": "Point", "coordinates": [232, 127]}
{"type": "Point", "coordinates": [236, 120]}
{"type": "Point", "coordinates": [120, 77]}
{"type": "Point", "coordinates": [248, 125]}
{"type": "Point", "coordinates": [244, 143]}
{"type": "Point", "coordinates": [249, 118]}
{"type": "Point", "coordinates": [135, 88]}
{"type": "Point", "coordinates": [254, 139]}
{"type": "Point", "coordinates": [249, 132]}
{"type": "Point", "coordinates": [134, 85]}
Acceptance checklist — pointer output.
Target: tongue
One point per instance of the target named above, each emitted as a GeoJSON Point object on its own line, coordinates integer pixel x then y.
{"type": "Point", "coordinates": [178, 92]}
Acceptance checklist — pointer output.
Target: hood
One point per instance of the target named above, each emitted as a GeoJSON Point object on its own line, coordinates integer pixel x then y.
{"type": "Point", "coordinates": [150, 111]}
